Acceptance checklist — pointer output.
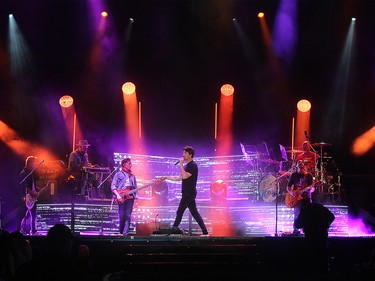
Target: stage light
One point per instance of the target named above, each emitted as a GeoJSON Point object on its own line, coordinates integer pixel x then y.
{"type": "Point", "coordinates": [234, 19]}
{"type": "Point", "coordinates": [354, 19]}
{"type": "Point", "coordinates": [11, 15]}
{"type": "Point", "coordinates": [218, 190]}
{"type": "Point", "coordinates": [227, 90]}
{"type": "Point", "coordinates": [303, 105]}
{"type": "Point", "coordinates": [66, 101]}
{"type": "Point", "coordinates": [260, 15]}
{"type": "Point", "coordinates": [131, 20]}
{"type": "Point", "coordinates": [160, 192]}
{"type": "Point", "coordinates": [128, 88]}
{"type": "Point", "coordinates": [302, 124]}
{"type": "Point", "coordinates": [104, 14]}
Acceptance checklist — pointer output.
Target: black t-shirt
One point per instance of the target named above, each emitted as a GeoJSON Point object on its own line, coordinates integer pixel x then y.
{"type": "Point", "coordinates": [298, 180]}
{"type": "Point", "coordinates": [189, 185]}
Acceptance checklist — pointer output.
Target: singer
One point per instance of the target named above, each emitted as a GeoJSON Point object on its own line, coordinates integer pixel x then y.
{"type": "Point", "coordinates": [188, 176]}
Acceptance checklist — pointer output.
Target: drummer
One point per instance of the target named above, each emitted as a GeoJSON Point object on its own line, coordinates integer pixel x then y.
{"type": "Point", "coordinates": [309, 157]}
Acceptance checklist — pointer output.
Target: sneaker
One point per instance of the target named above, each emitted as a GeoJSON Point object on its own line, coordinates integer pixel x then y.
{"type": "Point", "coordinates": [205, 235]}
{"type": "Point", "coordinates": [296, 233]}
{"type": "Point", "coordinates": [176, 230]}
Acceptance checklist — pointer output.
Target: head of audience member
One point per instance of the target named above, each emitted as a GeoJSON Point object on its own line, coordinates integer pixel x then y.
{"type": "Point", "coordinates": [60, 240]}
{"type": "Point", "coordinates": [7, 252]}
{"type": "Point", "coordinates": [23, 248]}
{"type": "Point", "coordinates": [305, 202]}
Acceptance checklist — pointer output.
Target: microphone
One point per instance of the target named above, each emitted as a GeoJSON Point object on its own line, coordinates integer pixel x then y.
{"type": "Point", "coordinates": [177, 162]}
{"type": "Point", "coordinates": [306, 136]}
{"type": "Point", "coordinates": [155, 220]}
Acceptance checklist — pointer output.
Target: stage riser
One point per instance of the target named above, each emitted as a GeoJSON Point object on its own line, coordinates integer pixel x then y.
{"type": "Point", "coordinates": [252, 220]}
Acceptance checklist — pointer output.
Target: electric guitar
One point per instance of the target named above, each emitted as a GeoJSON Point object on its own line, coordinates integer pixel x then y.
{"type": "Point", "coordinates": [31, 199]}
{"type": "Point", "coordinates": [292, 200]}
{"type": "Point", "coordinates": [127, 192]}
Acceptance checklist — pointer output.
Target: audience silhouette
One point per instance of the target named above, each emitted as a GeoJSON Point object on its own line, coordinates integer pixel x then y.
{"type": "Point", "coordinates": [59, 261]}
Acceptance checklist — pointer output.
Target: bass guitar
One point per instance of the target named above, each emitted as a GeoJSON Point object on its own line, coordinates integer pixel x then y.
{"type": "Point", "coordinates": [30, 198]}
{"type": "Point", "coordinates": [127, 193]}
{"type": "Point", "coordinates": [292, 200]}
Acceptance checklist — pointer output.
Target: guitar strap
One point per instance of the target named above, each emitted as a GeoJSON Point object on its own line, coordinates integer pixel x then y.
{"type": "Point", "coordinates": [130, 177]}
{"type": "Point", "coordinates": [132, 180]}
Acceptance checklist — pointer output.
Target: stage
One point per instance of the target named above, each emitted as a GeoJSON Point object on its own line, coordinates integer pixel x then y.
{"type": "Point", "coordinates": [249, 224]}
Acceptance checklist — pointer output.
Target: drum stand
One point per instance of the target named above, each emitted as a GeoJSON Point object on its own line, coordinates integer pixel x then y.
{"type": "Point", "coordinates": [257, 175]}
{"type": "Point", "coordinates": [321, 165]}
{"type": "Point", "coordinates": [332, 192]}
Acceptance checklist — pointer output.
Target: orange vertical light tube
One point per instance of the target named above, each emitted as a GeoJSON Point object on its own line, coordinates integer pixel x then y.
{"type": "Point", "coordinates": [74, 131]}
{"type": "Point", "coordinates": [215, 128]}
{"type": "Point", "coordinates": [139, 120]}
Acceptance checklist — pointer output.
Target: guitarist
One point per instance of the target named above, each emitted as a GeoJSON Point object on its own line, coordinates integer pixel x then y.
{"type": "Point", "coordinates": [124, 180]}
{"type": "Point", "coordinates": [28, 186]}
{"type": "Point", "coordinates": [298, 180]}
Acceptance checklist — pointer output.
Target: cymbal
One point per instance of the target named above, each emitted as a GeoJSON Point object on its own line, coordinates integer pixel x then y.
{"type": "Point", "coordinates": [321, 144]}
{"type": "Point", "coordinates": [294, 151]}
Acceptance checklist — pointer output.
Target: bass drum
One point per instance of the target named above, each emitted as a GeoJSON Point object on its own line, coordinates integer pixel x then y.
{"type": "Point", "coordinates": [268, 188]}
{"type": "Point", "coordinates": [283, 182]}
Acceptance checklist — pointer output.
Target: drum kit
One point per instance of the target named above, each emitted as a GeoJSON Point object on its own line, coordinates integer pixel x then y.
{"type": "Point", "coordinates": [323, 170]}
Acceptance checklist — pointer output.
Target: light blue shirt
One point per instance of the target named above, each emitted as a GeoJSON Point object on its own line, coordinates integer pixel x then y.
{"type": "Point", "coordinates": [122, 180]}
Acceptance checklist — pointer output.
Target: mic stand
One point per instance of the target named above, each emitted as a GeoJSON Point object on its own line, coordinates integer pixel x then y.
{"type": "Point", "coordinates": [315, 161]}
{"type": "Point", "coordinates": [276, 206]}
{"type": "Point", "coordinates": [102, 204]}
